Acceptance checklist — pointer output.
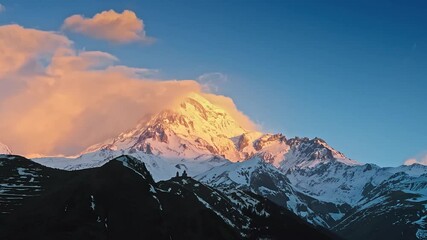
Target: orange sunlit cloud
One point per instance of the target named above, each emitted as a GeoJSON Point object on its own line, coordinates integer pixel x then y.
{"type": "Point", "coordinates": [109, 25]}
{"type": "Point", "coordinates": [228, 104]}
{"type": "Point", "coordinates": [417, 160]}
{"type": "Point", "coordinates": [19, 46]}
{"type": "Point", "coordinates": [56, 100]}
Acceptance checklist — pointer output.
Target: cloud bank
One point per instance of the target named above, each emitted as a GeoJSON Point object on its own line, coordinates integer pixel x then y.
{"type": "Point", "coordinates": [55, 99]}
{"type": "Point", "coordinates": [109, 25]}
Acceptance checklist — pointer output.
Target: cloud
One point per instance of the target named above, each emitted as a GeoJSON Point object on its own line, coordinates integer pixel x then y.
{"type": "Point", "coordinates": [57, 100]}
{"type": "Point", "coordinates": [22, 48]}
{"type": "Point", "coordinates": [210, 81]}
{"type": "Point", "coordinates": [109, 25]}
{"type": "Point", "coordinates": [2, 8]}
{"type": "Point", "coordinates": [417, 160]}
{"type": "Point", "coordinates": [229, 105]}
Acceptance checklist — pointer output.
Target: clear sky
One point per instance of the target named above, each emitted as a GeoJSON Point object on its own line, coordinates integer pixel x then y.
{"type": "Point", "coordinates": [351, 72]}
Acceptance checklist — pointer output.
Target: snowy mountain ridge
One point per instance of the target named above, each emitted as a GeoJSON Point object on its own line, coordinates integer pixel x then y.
{"type": "Point", "coordinates": [197, 127]}
{"type": "Point", "coordinates": [194, 128]}
{"type": "Point", "coordinates": [307, 176]}
{"type": "Point", "coordinates": [195, 133]}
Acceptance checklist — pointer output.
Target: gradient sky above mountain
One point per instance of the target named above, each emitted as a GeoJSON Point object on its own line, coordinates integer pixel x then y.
{"type": "Point", "coordinates": [351, 72]}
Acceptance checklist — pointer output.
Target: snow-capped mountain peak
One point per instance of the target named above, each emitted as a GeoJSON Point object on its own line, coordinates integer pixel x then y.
{"type": "Point", "coordinates": [192, 128]}
{"type": "Point", "coordinates": [195, 127]}
{"type": "Point", "coordinates": [308, 153]}
{"type": "Point", "coordinates": [195, 115]}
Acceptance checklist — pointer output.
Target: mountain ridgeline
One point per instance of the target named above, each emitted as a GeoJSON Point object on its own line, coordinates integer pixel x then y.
{"type": "Point", "coordinates": [120, 200]}
{"type": "Point", "coordinates": [306, 176]}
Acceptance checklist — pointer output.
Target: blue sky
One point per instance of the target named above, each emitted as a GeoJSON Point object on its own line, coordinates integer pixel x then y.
{"type": "Point", "coordinates": [351, 72]}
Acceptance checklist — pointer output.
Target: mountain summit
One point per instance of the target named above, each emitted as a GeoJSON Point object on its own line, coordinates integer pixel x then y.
{"type": "Point", "coordinates": [193, 128]}
{"type": "Point", "coordinates": [197, 128]}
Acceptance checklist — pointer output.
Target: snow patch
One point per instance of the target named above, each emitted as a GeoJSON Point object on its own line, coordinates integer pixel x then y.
{"type": "Point", "coordinates": [92, 203]}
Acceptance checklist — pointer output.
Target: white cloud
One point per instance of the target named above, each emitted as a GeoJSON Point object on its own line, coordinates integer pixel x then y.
{"type": "Point", "coordinates": [210, 82]}
{"type": "Point", "coordinates": [2, 8]}
{"type": "Point", "coordinates": [109, 25]}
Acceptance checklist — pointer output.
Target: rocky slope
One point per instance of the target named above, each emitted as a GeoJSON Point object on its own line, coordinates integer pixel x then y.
{"type": "Point", "coordinates": [356, 201]}
{"type": "Point", "coordinates": [21, 180]}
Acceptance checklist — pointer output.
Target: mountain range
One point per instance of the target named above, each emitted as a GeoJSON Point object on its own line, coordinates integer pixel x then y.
{"type": "Point", "coordinates": [306, 176]}
{"type": "Point", "coordinates": [120, 200]}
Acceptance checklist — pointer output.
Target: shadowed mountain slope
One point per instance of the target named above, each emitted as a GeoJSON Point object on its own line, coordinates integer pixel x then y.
{"type": "Point", "coordinates": [120, 200]}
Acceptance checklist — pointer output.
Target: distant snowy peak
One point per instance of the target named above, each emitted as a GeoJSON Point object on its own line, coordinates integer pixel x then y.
{"type": "Point", "coordinates": [208, 118]}
{"type": "Point", "coordinates": [192, 128]}
{"type": "Point", "coordinates": [196, 127]}
{"type": "Point", "coordinates": [195, 115]}
{"type": "Point", "coordinates": [297, 152]}
{"type": "Point", "coordinates": [4, 149]}
{"type": "Point", "coordinates": [305, 152]}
